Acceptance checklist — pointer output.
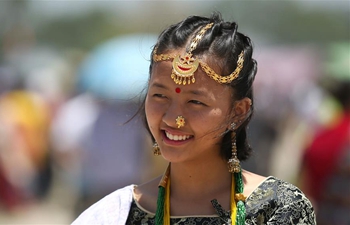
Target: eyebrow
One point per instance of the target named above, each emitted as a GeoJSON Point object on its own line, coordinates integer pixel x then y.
{"type": "Point", "coordinates": [198, 92]}
{"type": "Point", "coordinates": [159, 85]}
{"type": "Point", "coordinates": [194, 92]}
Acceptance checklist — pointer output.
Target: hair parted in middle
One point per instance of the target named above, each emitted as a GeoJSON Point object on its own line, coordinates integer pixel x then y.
{"type": "Point", "coordinates": [224, 44]}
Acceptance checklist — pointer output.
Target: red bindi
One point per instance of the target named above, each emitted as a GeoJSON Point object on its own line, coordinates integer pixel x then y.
{"type": "Point", "coordinates": [177, 90]}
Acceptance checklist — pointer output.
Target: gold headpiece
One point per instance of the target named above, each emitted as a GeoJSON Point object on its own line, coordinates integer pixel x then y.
{"type": "Point", "coordinates": [184, 67]}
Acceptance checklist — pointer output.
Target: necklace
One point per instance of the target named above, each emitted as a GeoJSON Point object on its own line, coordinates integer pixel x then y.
{"type": "Point", "coordinates": [237, 200]}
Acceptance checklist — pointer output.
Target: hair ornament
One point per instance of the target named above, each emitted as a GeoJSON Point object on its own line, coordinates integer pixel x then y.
{"type": "Point", "coordinates": [185, 66]}
{"type": "Point", "coordinates": [224, 79]}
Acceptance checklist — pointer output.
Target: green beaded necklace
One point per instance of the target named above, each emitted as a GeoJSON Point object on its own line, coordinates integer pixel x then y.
{"type": "Point", "coordinates": [162, 216]}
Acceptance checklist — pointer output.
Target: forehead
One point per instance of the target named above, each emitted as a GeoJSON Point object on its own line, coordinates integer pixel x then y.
{"type": "Point", "coordinates": [161, 74]}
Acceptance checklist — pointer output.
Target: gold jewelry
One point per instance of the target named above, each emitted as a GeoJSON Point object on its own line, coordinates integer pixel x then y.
{"type": "Point", "coordinates": [240, 197]}
{"type": "Point", "coordinates": [180, 121]}
{"type": "Point", "coordinates": [156, 149]}
{"type": "Point", "coordinates": [184, 67]}
{"type": "Point", "coordinates": [224, 79]}
{"type": "Point", "coordinates": [234, 165]}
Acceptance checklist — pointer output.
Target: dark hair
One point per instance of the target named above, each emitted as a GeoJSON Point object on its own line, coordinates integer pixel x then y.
{"type": "Point", "coordinates": [225, 43]}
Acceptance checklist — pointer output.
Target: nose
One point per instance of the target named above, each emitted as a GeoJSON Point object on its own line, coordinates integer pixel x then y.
{"type": "Point", "coordinates": [173, 117]}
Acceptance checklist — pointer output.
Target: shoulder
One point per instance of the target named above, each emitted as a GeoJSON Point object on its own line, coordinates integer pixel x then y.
{"type": "Point", "coordinates": [282, 192]}
{"type": "Point", "coordinates": [110, 209]}
{"type": "Point", "coordinates": [146, 194]}
{"type": "Point", "coordinates": [278, 200]}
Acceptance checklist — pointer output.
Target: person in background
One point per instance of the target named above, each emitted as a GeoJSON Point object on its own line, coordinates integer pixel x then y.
{"type": "Point", "coordinates": [325, 172]}
{"type": "Point", "coordinates": [98, 153]}
{"type": "Point", "coordinates": [198, 105]}
{"type": "Point", "coordinates": [95, 150]}
{"type": "Point", "coordinates": [25, 171]}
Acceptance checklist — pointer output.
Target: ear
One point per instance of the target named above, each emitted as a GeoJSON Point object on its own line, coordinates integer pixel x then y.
{"type": "Point", "coordinates": [242, 109]}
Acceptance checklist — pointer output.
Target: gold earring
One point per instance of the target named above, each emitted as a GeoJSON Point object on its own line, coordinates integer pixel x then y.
{"type": "Point", "coordinates": [156, 149]}
{"type": "Point", "coordinates": [234, 165]}
{"type": "Point", "coordinates": [180, 121]}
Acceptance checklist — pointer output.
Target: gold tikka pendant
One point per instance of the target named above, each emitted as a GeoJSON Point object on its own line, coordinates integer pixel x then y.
{"type": "Point", "coordinates": [183, 69]}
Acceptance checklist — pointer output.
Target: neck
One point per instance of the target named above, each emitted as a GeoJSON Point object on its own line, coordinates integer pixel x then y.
{"type": "Point", "coordinates": [194, 179]}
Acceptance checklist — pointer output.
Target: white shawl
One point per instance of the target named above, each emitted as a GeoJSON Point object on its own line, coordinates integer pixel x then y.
{"type": "Point", "coordinates": [112, 209]}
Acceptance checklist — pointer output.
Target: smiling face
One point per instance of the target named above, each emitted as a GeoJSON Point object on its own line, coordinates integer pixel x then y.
{"type": "Point", "coordinates": [204, 105]}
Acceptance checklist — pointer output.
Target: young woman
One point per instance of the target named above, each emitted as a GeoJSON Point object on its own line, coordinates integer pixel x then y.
{"type": "Point", "coordinates": [197, 108]}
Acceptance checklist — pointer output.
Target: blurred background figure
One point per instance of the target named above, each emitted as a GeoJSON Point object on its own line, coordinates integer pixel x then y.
{"type": "Point", "coordinates": [325, 171]}
{"type": "Point", "coordinates": [272, 129]}
{"type": "Point", "coordinates": [93, 140]}
{"type": "Point", "coordinates": [25, 167]}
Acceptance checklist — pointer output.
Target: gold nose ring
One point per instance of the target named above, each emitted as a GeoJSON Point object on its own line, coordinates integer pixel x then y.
{"type": "Point", "coordinates": [180, 121]}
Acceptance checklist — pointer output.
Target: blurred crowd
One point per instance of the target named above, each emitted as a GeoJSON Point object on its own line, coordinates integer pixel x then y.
{"type": "Point", "coordinates": [67, 120]}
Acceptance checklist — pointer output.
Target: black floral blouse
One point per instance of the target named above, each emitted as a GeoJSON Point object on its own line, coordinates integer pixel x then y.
{"type": "Point", "coordinates": [272, 202]}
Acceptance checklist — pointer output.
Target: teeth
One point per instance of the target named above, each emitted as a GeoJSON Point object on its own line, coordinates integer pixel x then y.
{"type": "Point", "coordinates": [177, 137]}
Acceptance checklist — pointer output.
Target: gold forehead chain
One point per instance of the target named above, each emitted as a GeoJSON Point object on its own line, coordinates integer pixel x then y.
{"type": "Point", "coordinates": [184, 67]}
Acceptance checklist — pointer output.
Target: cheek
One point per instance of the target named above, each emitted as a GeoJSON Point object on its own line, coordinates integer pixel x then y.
{"type": "Point", "coordinates": [219, 119]}
{"type": "Point", "coordinates": [152, 114]}
{"type": "Point", "coordinates": [148, 111]}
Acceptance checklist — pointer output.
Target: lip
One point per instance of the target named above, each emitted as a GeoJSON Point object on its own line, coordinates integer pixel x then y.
{"type": "Point", "coordinates": [167, 141]}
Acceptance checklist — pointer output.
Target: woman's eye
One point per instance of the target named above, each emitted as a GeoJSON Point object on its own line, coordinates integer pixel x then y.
{"type": "Point", "coordinates": [196, 102]}
{"type": "Point", "coordinates": [159, 96]}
